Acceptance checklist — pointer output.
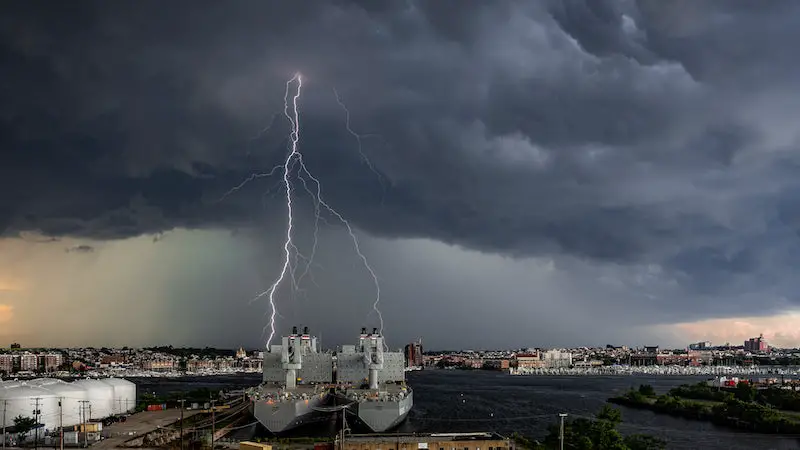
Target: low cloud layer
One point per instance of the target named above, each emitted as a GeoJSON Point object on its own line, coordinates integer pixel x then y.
{"type": "Point", "coordinates": [650, 143]}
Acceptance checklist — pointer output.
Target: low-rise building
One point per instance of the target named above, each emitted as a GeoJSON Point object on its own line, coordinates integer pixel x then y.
{"type": "Point", "coordinates": [158, 364]}
{"type": "Point", "coordinates": [530, 360]}
{"type": "Point", "coordinates": [557, 358]}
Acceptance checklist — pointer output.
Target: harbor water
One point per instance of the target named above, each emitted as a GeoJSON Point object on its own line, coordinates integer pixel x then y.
{"type": "Point", "coordinates": [454, 400]}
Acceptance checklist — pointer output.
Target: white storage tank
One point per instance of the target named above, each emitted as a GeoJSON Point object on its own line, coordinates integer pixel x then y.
{"type": "Point", "coordinates": [20, 401]}
{"type": "Point", "coordinates": [71, 396]}
{"type": "Point", "coordinates": [10, 384]}
{"type": "Point", "coordinates": [100, 397]}
{"type": "Point", "coordinates": [124, 399]}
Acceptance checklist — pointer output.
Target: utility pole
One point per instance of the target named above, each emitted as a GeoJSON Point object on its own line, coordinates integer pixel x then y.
{"type": "Point", "coordinates": [61, 423]}
{"type": "Point", "coordinates": [344, 426]}
{"type": "Point", "coordinates": [213, 422]}
{"type": "Point", "coordinates": [561, 429]}
{"type": "Point", "coordinates": [36, 412]}
{"type": "Point", "coordinates": [83, 422]}
{"type": "Point", "coordinates": [5, 407]}
{"type": "Point", "coordinates": [182, 400]}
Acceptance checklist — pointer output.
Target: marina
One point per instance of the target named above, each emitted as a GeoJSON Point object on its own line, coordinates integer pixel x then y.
{"type": "Point", "coordinates": [668, 371]}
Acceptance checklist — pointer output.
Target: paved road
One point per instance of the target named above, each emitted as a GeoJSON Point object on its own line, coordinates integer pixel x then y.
{"type": "Point", "coordinates": [139, 424]}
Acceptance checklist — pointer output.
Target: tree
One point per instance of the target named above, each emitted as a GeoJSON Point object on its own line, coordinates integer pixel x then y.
{"type": "Point", "coordinates": [609, 414]}
{"type": "Point", "coordinates": [647, 390]}
{"type": "Point", "coordinates": [745, 392]}
{"type": "Point", "coordinates": [599, 434]}
{"type": "Point", "coordinates": [23, 425]}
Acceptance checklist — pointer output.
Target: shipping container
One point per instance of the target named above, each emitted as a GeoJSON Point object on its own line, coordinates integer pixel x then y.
{"type": "Point", "coordinates": [254, 446]}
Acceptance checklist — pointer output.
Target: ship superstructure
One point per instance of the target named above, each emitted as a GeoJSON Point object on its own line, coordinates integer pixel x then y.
{"type": "Point", "coordinates": [295, 382]}
{"type": "Point", "coordinates": [373, 379]}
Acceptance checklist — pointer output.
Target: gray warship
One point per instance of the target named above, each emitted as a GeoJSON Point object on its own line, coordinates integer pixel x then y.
{"type": "Point", "coordinates": [372, 379]}
{"type": "Point", "coordinates": [296, 381]}
{"type": "Point", "coordinates": [365, 380]}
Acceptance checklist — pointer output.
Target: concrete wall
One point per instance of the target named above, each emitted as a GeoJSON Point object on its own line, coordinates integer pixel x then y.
{"type": "Point", "coordinates": [429, 443]}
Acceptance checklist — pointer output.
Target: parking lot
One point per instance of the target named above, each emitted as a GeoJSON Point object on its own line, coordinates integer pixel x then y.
{"type": "Point", "coordinates": [139, 424]}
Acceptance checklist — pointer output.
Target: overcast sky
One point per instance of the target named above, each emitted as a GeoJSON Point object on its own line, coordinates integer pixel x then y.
{"type": "Point", "coordinates": [540, 173]}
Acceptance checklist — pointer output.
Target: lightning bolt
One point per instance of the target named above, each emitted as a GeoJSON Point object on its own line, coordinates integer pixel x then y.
{"type": "Point", "coordinates": [359, 138]}
{"type": "Point", "coordinates": [294, 165]}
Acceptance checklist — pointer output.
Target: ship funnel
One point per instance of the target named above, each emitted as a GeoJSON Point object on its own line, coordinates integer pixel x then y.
{"type": "Point", "coordinates": [305, 330]}
{"type": "Point", "coordinates": [363, 330]}
{"type": "Point", "coordinates": [294, 330]}
{"type": "Point", "coordinates": [374, 331]}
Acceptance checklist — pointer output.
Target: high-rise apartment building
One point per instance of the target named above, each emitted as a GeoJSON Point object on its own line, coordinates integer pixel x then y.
{"type": "Point", "coordinates": [413, 353]}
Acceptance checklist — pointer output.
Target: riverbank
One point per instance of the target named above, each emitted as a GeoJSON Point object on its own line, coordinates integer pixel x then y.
{"type": "Point", "coordinates": [719, 408]}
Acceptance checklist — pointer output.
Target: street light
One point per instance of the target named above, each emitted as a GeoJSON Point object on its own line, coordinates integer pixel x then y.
{"type": "Point", "coordinates": [561, 416]}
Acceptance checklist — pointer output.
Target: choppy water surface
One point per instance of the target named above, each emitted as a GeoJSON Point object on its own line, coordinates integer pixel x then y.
{"type": "Point", "coordinates": [481, 401]}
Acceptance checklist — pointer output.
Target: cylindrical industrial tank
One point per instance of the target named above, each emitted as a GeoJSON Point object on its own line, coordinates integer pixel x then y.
{"type": "Point", "coordinates": [71, 396]}
{"type": "Point", "coordinates": [10, 384]}
{"type": "Point", "coordinates": [124, 395]}
{"type": "Point", "coordinates": [21, 401]}
{"type": "Point", "coordinates": [100, 397]}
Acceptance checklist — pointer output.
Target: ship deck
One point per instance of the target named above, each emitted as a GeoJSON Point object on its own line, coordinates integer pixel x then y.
{"type": "Point", "coordinates": [390, 388]}
{"type": "Point", "coordinates": [278, 394]}
{"type": "Point", "coordinates": [301, 388]}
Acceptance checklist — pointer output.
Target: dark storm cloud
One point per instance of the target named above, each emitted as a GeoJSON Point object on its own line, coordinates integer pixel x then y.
{"type": "Point", "coordinates": [622, 131]}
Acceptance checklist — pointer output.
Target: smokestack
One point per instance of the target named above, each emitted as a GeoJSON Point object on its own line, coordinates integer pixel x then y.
{"type": "Point", "coordinates": [294, 330]}
{"type": "Point", "coordinates": [305, 330]}
{"type": "Point", "coordinates": [374, 331]}
{"type": "Point", "coordinates": [363, 330]}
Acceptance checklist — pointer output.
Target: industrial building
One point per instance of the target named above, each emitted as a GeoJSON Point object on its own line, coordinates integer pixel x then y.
{"type": "Point", "coordinates": [80, 401]}
{"type": "Point", "coordinates": [435, 441]}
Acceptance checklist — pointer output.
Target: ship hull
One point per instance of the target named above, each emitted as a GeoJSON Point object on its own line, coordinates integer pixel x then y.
{"type": "Point", "coordinates": [381, 416]}
{"type": "Point", "coordinates": [280, 417]}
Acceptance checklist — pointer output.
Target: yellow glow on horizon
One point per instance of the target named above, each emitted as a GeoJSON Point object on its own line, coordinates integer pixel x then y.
{"type": "Point", "coordinates": [9, 285]}
{"type": "Point", "coordinates": [780, 330]}
{"type": "Point", "coordinates": [6, 313]}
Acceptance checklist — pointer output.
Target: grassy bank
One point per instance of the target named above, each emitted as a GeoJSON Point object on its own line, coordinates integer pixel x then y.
{"type": "Point", "coordinates": [715, 406]}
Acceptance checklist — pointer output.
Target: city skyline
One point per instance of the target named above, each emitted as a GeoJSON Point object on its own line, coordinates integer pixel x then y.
{"type": "Point", "coordinates": [603, 171]}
